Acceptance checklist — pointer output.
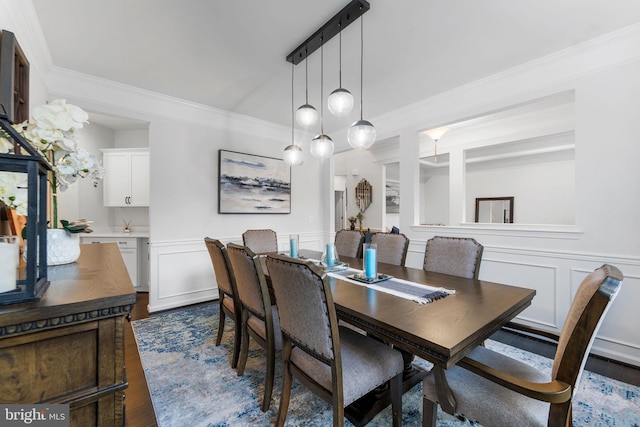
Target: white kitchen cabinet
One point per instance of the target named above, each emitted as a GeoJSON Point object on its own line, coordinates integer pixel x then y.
{"type": "Point", "coordinates": [129, 249]}
{"type": "Point", "coordinates": [126, 179]}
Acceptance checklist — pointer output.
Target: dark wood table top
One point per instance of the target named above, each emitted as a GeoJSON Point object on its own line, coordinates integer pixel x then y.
{"type": "Point", "coordinates": [443, 331]}
{"type": "Point", "coordinates": [96, 284]}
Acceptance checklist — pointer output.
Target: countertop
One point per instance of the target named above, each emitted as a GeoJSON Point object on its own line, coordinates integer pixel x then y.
{"type": "Point", "coordinates": [116, 234]}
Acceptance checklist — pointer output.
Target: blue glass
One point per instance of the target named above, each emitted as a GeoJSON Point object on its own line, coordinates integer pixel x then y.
{"type": "Point", "coordinates": [370, 263]}
{"type": "Point", "coordinates": [293, 246]}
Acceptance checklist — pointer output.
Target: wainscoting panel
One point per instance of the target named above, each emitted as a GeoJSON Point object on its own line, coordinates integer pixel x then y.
{"type": "Point", "coordinates": [556, 275]}
{"type": "Point", "coordinates": [182, 274]}
{"type": "Point", "coordinates": [544, 307]}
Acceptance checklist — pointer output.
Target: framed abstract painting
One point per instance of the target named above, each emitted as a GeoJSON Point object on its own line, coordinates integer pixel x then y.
{"type": "Point", "coordinates": [248, 183]}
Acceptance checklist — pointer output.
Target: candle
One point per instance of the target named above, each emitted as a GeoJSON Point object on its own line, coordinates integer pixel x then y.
{"type": "Point", "coordinates": [293, 246]}
{"type": "Point", "coordinates": [9, 257]}
{"type": "Point", "coordinates": [370, 271]}
{"type": "Point", "coordinates": [331, 254]}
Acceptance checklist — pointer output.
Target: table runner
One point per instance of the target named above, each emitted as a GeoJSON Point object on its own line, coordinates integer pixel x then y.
{"type": "Point", "coordinates": [422, 294]}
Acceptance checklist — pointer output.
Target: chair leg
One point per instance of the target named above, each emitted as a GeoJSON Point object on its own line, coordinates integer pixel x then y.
{"type": "Point", "coordinates": [236, 343]}
{"type": "Point", "coordinates": [429, 412]}
{"type": "Point", "coordinates": [244, 348]}
{"type": "Point", "coordinates": [220, 325]}
{"type": "Point", "coordinates": [286, 386]}
{"type": "Point", "coordinates": [395, 389]}
{"type": "Point", "coordinates": [268, 380]}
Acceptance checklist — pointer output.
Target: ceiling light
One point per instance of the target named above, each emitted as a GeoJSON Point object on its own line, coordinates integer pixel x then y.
{"type": "Point", "coordinates": [321, 146]}
{"type": "Point", "coordinates": [306, 115]}
{"type": "Point", "coordinates": [292, 155]}
{"type": "Point", "coordinates": [340, 101]}
{"type": "Point", "coordinates": [436, 134]}
{"type": "Point", "coordinates": [361, 134]}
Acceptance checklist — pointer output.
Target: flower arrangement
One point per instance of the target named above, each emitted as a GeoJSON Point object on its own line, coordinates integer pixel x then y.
{"type": "Point", "coordinates": [52, 132]}
{"type": "Point", "coordinates": [360, 217]}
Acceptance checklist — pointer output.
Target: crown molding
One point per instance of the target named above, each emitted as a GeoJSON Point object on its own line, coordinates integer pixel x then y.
{"type": "Point", "coordinates": [111, 97]}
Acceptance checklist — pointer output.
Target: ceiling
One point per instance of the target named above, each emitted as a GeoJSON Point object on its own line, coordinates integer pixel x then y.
{"type": "Point", "coordinates": [231, 54]}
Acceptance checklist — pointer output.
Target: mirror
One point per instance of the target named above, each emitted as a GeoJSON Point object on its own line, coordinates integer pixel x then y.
{"type": "Point", "coordinates": [363, 195]}
{"type": "Point", "coordinates": [494, 210]}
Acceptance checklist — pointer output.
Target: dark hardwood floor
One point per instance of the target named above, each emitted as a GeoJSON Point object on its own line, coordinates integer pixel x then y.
{"type": "Point", "coordinates": [139, 409]}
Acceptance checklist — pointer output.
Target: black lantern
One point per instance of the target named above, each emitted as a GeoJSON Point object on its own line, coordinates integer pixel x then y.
{"type": "Point", "coordinates": [32, 280]}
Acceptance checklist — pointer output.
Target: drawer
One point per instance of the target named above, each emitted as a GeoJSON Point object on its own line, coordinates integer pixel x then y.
{"type": "Point", "coordinates": [123, 242]}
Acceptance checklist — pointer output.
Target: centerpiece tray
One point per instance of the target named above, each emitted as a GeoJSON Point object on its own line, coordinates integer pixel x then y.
{"type": "Point", "coordinates": [364, 279]}
{"type": "Point", "coordinates": [336, 267]}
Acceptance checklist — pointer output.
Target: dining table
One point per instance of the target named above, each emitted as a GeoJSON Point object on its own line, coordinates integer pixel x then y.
{"type": "Point", "coordinates": [442, 331]}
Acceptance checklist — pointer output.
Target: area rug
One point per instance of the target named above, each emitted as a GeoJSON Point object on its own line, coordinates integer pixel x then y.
{"type": "Point", "coordinates": [192, 384]}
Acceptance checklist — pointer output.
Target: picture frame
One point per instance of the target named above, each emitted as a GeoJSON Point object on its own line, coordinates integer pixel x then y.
{"type": "Point", "coordinates": [392, 196]}
{"type": "Point", "coordinates": [250, 184]}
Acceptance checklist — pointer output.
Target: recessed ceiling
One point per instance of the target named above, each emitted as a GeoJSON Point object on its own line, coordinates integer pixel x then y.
{"type": "Point", "coordinates": [231, 54]}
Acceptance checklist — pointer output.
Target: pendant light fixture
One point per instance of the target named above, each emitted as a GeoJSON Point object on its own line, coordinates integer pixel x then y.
{"type": "Point", "coordinates": [321, 146]}
{"type": "Point", "coordinates": [306, 115]}
{"type": "Point", "coordinates": [361, 134]}
{"type": "Point", "coordinates": [340, 101]}
{"type": "Point", "coordinates": [436, 134]}
{"type": "Point", "coordinates": [292, 155]}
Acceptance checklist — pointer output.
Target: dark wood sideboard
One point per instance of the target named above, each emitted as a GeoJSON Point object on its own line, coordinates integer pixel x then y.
{"type": "Point", "coordinates": [69, 347]}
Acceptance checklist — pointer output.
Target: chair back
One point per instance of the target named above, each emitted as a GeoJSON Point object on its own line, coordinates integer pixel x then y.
{"type": "Point", "coordinates": [261, 241]}
{"type": "Point", "coordinates": [221, 266]}
{"type": "Point", "coordinates": [588, 309]}
{"type": "Point", "coordinates": [305, 306]}
{"type": "Point", "coordinates": [392, 247]}
{"type": "Point", "coordinates": [349, 243]}
{"type": "Point", "coordinates": [250, 280]}
{"type": "Point", "coordinates": [457, 256]}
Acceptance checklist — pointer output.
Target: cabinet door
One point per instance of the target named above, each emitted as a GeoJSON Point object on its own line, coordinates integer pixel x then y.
{"type": "Point", "coordinates": [139, 179]}
{"type": "Point", "coordinates": [116, 179]}
{"type": "Point", "coordinates": [130, 257]}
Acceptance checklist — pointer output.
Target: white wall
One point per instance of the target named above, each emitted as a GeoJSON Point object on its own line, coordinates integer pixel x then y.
{"type": "Point", "coordinates": [553, 259]}
{"type": "Point", "coordinates": [362, 162]}
{"type": "Point", "coordinates": [184, 139]}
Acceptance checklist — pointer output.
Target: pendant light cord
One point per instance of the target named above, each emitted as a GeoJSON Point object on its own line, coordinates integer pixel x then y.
{"type": "Point", "coordinates": [361, 62]}
{"type": "Point", "coordinates": [306, 77]}
{"type": "Point", "coordinates": [321, 86]}
{"type": "Point", "coordinates": [293, 114]}
{"type": "Point", "coordinates": [340, 60]}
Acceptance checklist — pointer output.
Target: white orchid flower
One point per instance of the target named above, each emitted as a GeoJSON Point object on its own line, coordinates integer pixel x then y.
{"type": "Point", "coordinates": [5, 145]}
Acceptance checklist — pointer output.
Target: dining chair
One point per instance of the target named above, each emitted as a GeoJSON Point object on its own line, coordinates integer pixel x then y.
{"type": "Point", "coordinates": [349, 243]}
{"type": "Point", "coordinates": [336, 363]}
{"type": "Point", "coordinates": [496, 390]}
{"type": "Point", "coordinates": [261, 241]}
{"type": "Point", "coordinates": [457, 256]}
{"type": "Point", "coordinates": [259, 316]}
{"type": "Point", "coordinates": [228, 294]}
{"type": "Point", "coordinates": [392, 247]}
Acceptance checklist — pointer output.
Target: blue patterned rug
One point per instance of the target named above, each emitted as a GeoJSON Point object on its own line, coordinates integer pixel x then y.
{"type": "Point", "coordinates": [192, 384]}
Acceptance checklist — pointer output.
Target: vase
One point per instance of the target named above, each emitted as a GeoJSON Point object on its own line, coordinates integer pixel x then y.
{"type": "Point", "coordinates": [62, 247]}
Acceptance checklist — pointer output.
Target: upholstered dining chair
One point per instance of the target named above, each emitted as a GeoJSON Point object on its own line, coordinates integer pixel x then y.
{"type": "Point", "coordinates": [349, 243]}
{"type": "Point", "coordinates": [259, 316]}
{"type": "Point", "coordinates": [261, 241]}
{"type": "Point", "coordinates": [392, 247]}
{"type": "Point", "coordinates": [335, 362]}
{"type": "Point", "coordinates": [229, 302]}
{"type": "Point", "coordinates": [496, 390]}
{"type": "Point", "coordinates": [457, 256]}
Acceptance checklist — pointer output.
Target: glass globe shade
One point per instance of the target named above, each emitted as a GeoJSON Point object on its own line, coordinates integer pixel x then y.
{"type": "Point", "coordinates": [306, 115]}
{"type": "Point", "coordinates": [361, 134]}
{"type": "Point", "coordinates": [292, 155]}
{"type": "Point", "coordinates": [340, 102]}
{"type": "Point", "coordinates": [321, 146]}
